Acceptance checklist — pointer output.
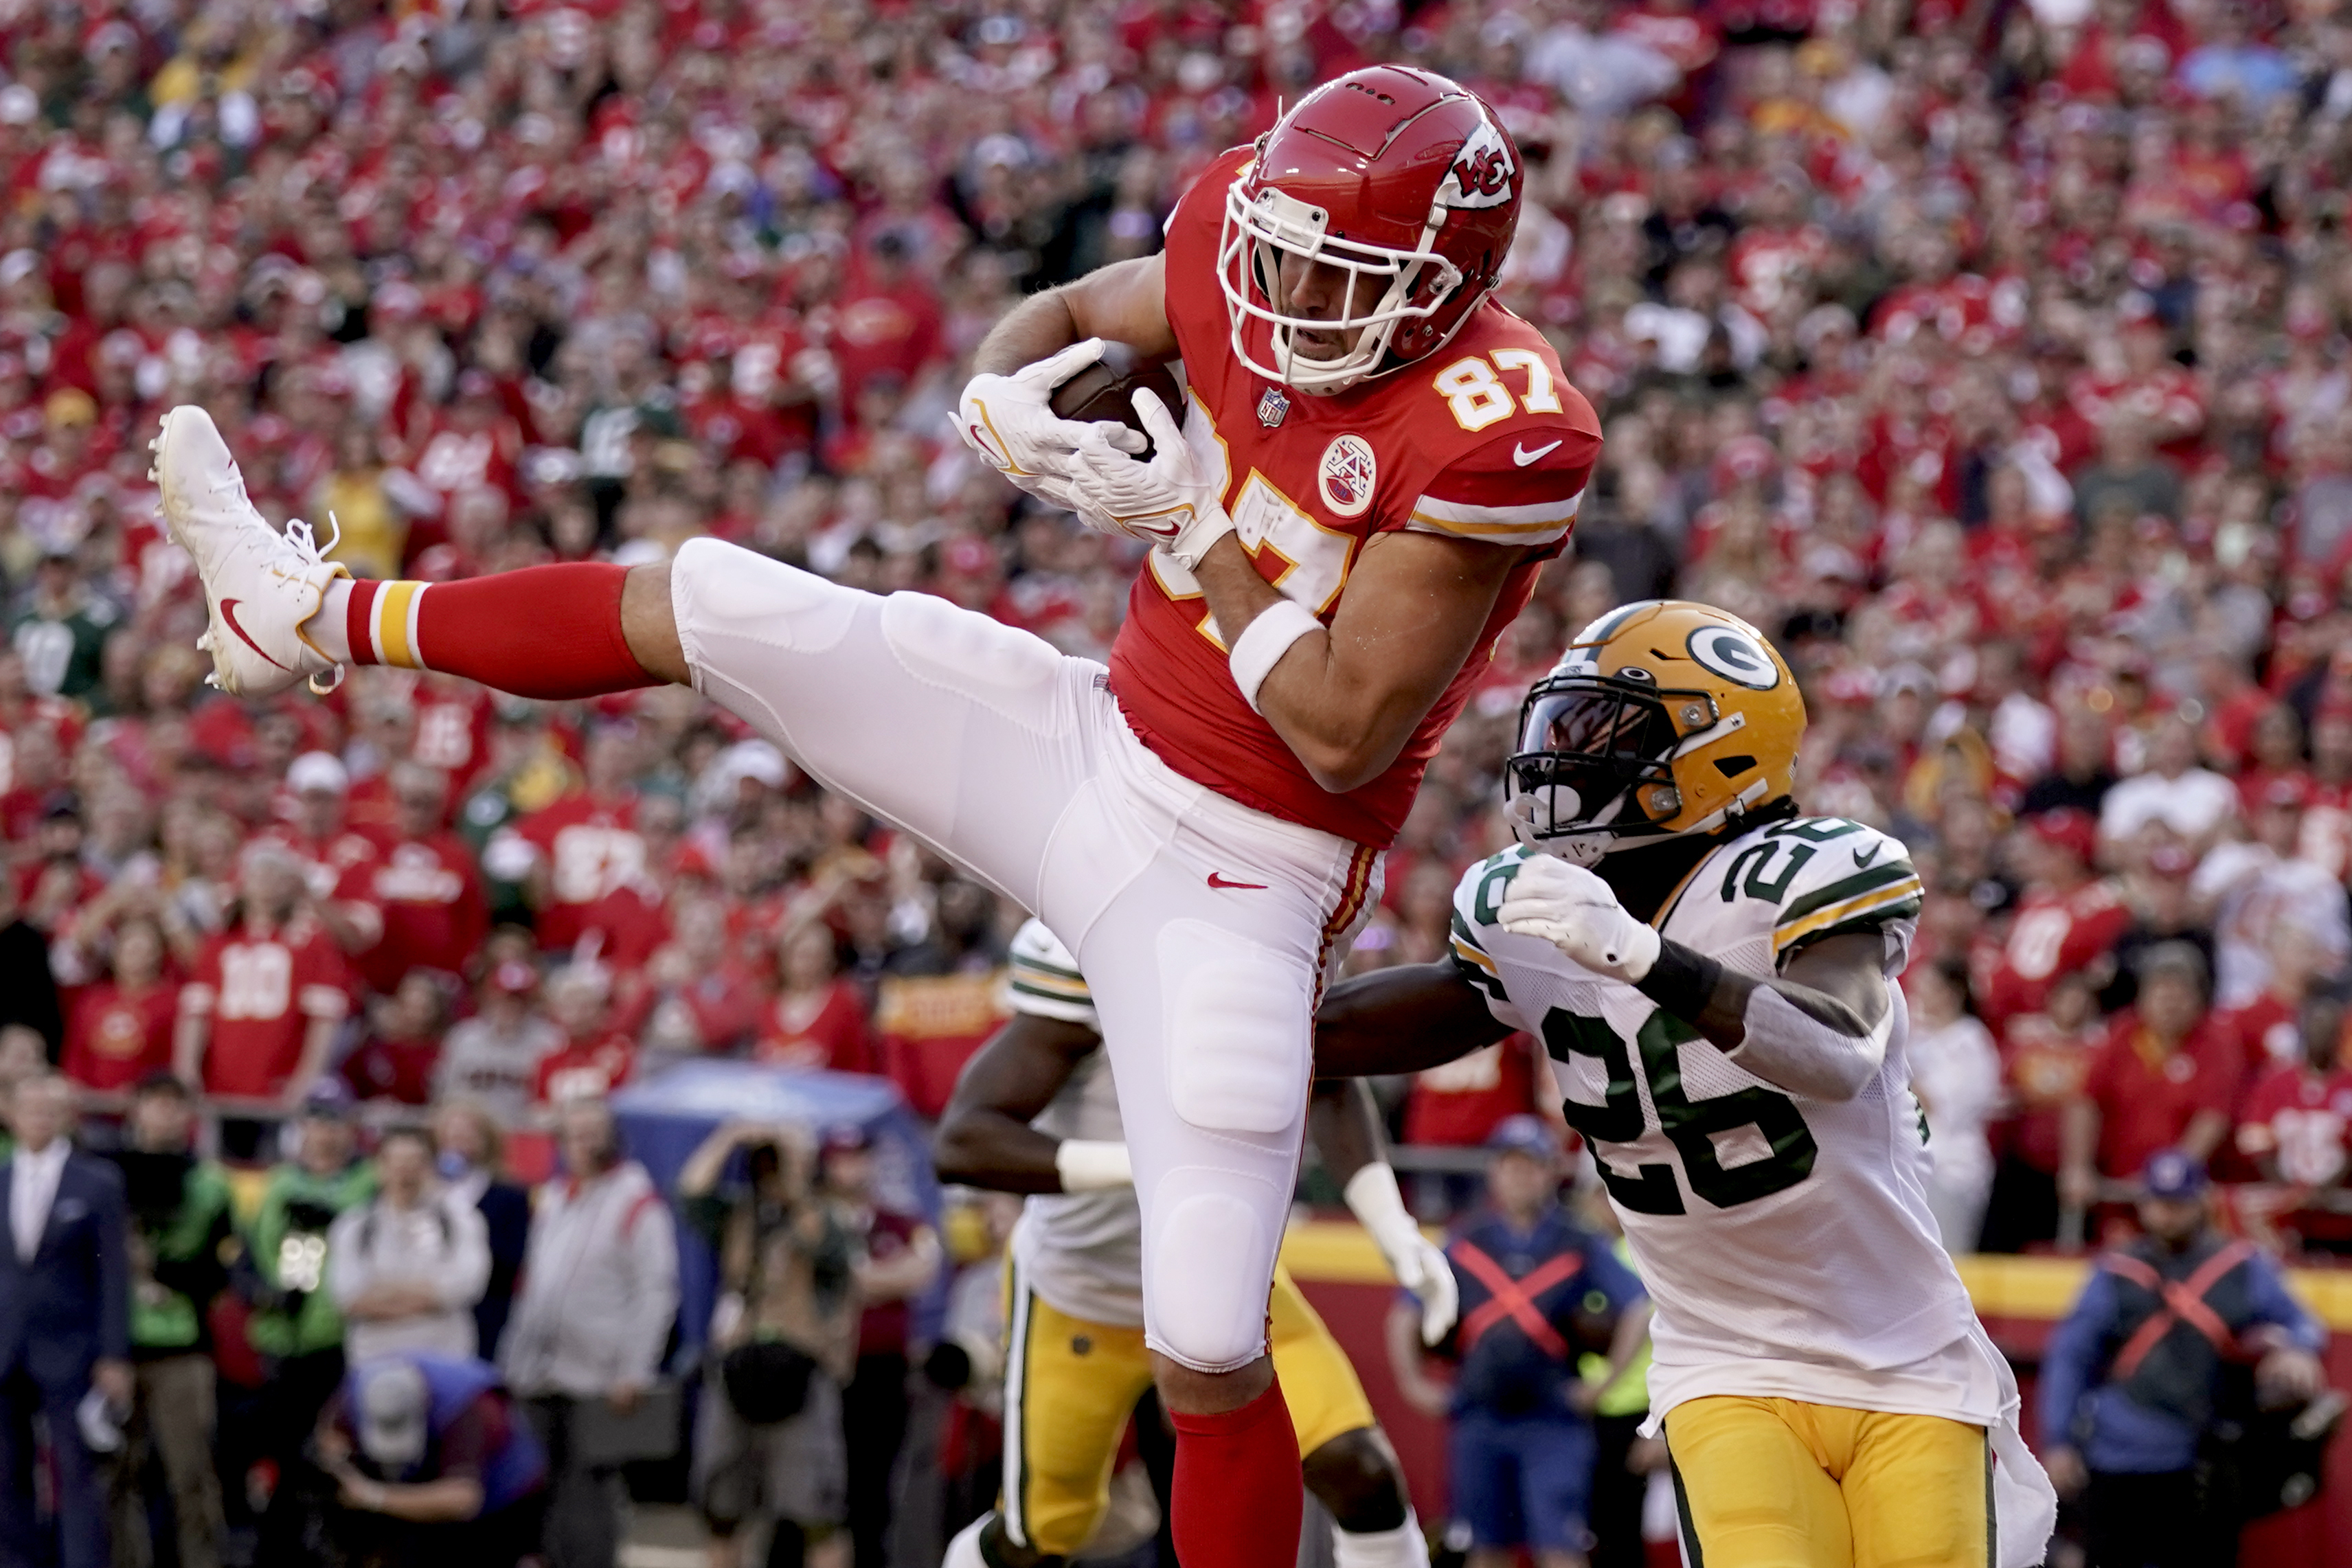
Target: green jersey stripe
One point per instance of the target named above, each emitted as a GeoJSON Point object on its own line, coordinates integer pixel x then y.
{"type": "Point", "coordinates": [1851, 887]}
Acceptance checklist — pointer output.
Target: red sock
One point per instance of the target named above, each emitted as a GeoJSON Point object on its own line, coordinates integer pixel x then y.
{"type": "Point", "coordinates": [553, 632]}
{"type": "Point", "coordinates": [1237, 1497]}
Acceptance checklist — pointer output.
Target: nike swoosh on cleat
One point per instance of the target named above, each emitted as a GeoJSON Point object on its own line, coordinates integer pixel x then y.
{"type": "Point", "coordinates": [228, 613]}
{"type": "Point", "coordinates": [1220, 883]}
{"type": "Point", "coordinates": [1522, 456]}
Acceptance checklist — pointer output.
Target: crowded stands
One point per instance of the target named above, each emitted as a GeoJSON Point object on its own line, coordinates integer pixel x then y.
{"type": "Point", "coordinates": [1990, 358]}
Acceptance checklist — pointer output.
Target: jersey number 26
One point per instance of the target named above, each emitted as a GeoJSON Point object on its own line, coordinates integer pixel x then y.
{"type": "Point", "coordinates": [1691, 1125]}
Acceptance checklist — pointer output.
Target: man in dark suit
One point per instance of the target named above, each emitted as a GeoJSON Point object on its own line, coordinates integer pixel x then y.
{"type": "Point", "coordinates": [65, 1323]}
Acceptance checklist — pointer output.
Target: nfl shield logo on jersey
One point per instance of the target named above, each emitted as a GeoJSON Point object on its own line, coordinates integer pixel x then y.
{"type": "Point", "coordinates": [1346, 475]}
{"type": "Point", "coordinates": [1272, 407]}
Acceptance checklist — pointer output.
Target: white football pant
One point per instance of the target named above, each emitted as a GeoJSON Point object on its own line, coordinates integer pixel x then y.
{"type": "Point", "coordinates": [1204, 927]}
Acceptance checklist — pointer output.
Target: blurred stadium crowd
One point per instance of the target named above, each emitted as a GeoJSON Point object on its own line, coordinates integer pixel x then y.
{"type": "Point", "coordinates": [1990, 355]}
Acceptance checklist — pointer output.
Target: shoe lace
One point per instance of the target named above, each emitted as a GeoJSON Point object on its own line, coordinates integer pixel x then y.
{"type": "Point", "coordinates": [300, 535]}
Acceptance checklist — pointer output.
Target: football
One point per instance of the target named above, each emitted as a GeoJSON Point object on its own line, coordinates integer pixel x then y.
{"type": "Point", "coordinates": [1102, 391]}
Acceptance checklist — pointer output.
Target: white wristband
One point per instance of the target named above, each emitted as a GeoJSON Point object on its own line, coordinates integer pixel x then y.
{"type": "Point", "coordinates": [1264, 642]}
{"type": "Point", "coordinates": [1372, 1197]}
{"type": "Point", "coordinates": [1092, 1164]}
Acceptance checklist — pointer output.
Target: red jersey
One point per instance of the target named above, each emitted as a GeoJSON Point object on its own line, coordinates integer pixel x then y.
{"type": "Point", "coordinates": [2147, 1098]}
{"type": "Point", "coordinates": [2045, 1066]}
{"type": "Point", "coordinates": [2053, 934]}
{"type": "Point", "coordinates": [113, 1038]}
{"type": "Point", "coordinates": [831, 1035]}
{"type": "Point", "coordinates": [929, 1026]}
{"type": "Point", "coordinates": [453, 731]}
{"type": "Point", "coordinates": [261, 991]}
{"type": "Point", "coordinates": [398, 1069]}
{"type": "Point", "coordinates": [1460, 1103]}
{"type": "Point", "coordinates": [337, 868]}
{"type": "Point", "coordinates": [2303, 1118]}
{"type": "Point", "coordinates": [433, 910]}
{"type": "Point", "coordinates": [597, 876]}
{"type": "Point", "coordinates": [1485, 440]}
{"type": "Point", "coordinates": [2266, 1032]}
{"type": "Point", "coordinates": [585, 1070]}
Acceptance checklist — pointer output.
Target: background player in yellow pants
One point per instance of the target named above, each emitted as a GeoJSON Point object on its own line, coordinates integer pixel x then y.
{"type": "Point", "coordinates": [1035, 1113]}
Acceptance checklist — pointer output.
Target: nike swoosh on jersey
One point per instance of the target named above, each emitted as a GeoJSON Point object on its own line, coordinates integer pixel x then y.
{"type": "Point", "coordinates": [1220, 883]}
{"type": "Point", "coordinates": [1522, 456]}
{"type": "Point", "coordinates": [1863, 862]}
{"type": "Point", "coordinates": [228, 613]}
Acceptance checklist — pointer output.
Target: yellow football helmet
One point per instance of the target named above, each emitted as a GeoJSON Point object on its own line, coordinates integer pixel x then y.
{"type": "Point", "coordinates": [1661, 718]}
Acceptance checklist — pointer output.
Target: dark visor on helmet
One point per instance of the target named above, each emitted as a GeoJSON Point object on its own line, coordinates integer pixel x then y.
{"type": "Point", "coordinates": [1599, 737]}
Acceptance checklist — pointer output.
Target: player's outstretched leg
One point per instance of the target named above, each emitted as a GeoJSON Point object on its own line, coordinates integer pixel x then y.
{"type": "Point", "coordinates": [279, 613]}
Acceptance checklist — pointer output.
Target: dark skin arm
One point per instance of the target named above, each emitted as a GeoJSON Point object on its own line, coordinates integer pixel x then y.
{"type": "Point", "coordinates": [1402, 1019]}
{"type": "Point", "coordinates": [1345, 1126]}
{"type": "Point", "coordinates": [1419, 1016]}
{"type": "Point", "coordinates": [984, 1138]}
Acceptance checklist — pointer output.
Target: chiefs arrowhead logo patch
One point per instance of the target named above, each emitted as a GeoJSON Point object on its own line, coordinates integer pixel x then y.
{"type": "Point", "coordinates": [1481, 174]}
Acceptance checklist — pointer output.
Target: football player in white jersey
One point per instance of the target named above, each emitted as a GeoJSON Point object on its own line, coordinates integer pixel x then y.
{"type": "Point", "coordinates": [1035, 1111]}
{"type": "Point", "coordinates": [1712, 972]}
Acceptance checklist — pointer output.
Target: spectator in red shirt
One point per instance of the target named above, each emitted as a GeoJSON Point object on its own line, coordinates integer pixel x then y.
{"type": "Point", "coordinates": [2297, 1124]}
{"type": "Point", "coordinates": [121, 1026]}
{"type": "Point", "coordinates": [817, 1018]}
{"type": "Point", "coordinates": [595, 1059]}
{"type": "Point", "coordinates": [585, 860]}
{"type": "Point", "coordinates": [2163, 1079]}
{"type": "Point", "coordinates": [258, 1015]}
{"type": "Point", "coordinates": [434, 913]}
{"type": "Point", "coordinates": [400, 1058]}
{"type": "Point", "coordinates": [337, 859]}
{"type": "Point", "coordinates": [2068, 920]}
{"type": "Point", "coordinates": [2046, 1058]}
{"type": "Point", "coordinates": [697, 999]}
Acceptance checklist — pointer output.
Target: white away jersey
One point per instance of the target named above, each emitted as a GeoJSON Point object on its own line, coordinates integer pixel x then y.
{"type": "Point", "coordinates": [1786, 1241]}
{"type": "Point", "coordinates": [1082, 1251]}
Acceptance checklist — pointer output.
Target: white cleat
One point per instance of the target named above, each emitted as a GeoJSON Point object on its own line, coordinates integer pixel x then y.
{"type": "Point", "coordinates": [260, 585]}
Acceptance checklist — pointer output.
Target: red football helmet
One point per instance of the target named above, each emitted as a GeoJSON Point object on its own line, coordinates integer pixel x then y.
{"type": "Point", "coordinates": [1400, 178]}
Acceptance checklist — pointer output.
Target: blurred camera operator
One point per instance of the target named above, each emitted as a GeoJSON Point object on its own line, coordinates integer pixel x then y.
{"type": "Point", "coordinates": [783, 1342]}
{"type": "Point", "coordinates": [2134, 1382]}
{"type": "Point", "coordinates": [434, 1466]}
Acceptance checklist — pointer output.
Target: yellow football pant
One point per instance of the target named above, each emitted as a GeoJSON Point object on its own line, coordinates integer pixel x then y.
{"type": "Point", "coordinates": [1070, 1385]}
{"type": "Point", "coordinates": [1778, 1483]}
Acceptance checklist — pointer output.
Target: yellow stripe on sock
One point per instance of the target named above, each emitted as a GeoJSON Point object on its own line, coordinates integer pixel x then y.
{"type": "Point", "coordinates": [392, 623]}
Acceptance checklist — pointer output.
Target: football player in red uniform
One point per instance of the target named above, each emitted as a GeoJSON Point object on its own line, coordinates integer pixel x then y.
{"type": "Point", "coordinates": [1373, 461]}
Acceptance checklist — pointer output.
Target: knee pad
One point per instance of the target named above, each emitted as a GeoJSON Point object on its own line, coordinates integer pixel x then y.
{"type": "Point", "coordinates": [1008, 672]}
{"type": "Point", "coordinates": [1207, 1301]}
{"type": "Point", "coordinates": [715, 586]}
{"type": "Point", "coordinates": [1240, 1042]}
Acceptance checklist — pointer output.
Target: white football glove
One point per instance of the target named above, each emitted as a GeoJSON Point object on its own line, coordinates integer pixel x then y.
{"type": "Point", "coordinates": [1418, 1263]}
{"type": "Point", "coordinates": [1577, 912]}
{"type": "Point", "coordinates": [1167, 502]}
{"type": "Point", "coordinates": [1010, 422]}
